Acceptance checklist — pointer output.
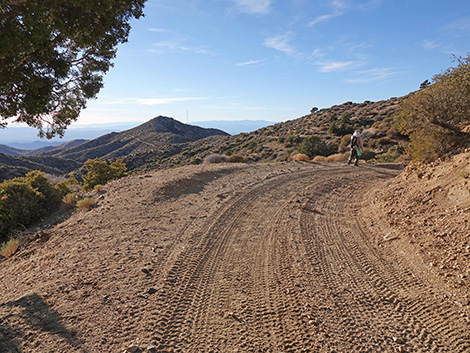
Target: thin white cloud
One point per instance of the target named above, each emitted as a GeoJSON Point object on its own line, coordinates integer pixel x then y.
{"type": "Point", "coordinates": [235, 106]}
{"type": "Point", "coordinates": [253, 7]}
{"type": "Point", "coordinates": [317, 53]}
{"type": "Point", "coordinates": [175, 46]}
{"type": "Point", "coordinates": [373, 75]}
{"type": "Point", "coordinates": [323, 18]}
{"type": "Point", "coordinates": [429, 44]}
{"type": "Point", "coordinates": [151, 101]}
{"type": "Point", "coordinates": [280, 43]}
{"type": "Point", "coordinates": [159, 30]}
{"type": "Point", "coordinates": [250, 63]}
{"type": "Point", "coordinates": [335, 66]}
{"type": "Point", "coordinates": [337, 6]}
{"type": "Point", "coordinates": [459, 26]}
{"type": "Point", "coordinates": [160, 101]}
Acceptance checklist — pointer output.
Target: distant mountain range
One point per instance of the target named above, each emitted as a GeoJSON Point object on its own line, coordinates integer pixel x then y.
{"type": "Point", "coordinates": [157, 135]}
{"type": "Point", "coordinates": [25, 138]}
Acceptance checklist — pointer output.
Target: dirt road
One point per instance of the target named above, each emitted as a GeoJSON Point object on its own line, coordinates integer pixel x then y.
{"type": "Point", "coordinates": [266, 258]}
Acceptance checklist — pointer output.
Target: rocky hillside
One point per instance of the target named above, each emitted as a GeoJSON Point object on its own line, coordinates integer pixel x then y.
{"type": "Point", "coordinates": [150, 136]}
{"type": "Point", "coordinates": [164, 142]}
{"type": "Point", "coordinates": [160, 136]}
{"type": "Point", "coordinates": [280, 142]}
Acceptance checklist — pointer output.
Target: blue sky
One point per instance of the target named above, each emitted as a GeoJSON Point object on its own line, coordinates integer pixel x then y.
{"type": "Point", "coordinates": [275, 60]}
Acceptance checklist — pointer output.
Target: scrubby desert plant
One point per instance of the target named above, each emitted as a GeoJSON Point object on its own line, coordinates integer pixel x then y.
{"type": "Point", "coordinates": [86, 204]}
{"type": "Point", "coordinates": [237, 158]}
{"type": "Point", "coordinates": [9, 248]}
{"type": "Point", "coordinates": [465, 174]}
{"type": "Point", "coordinates": [301, 157]}
{"type": "Point", "coordinates": [319, 159]}
{"type": "Point", "coordinates": [338, 157]}
{"type": "Point", "coordinates": [393, 155]}
{"type": "Point", "coordinates": [100, 172]}
{"type": "Point", "coordinates": [70, 199]}
{"type": "Point", "coordinates": [313, 146]}
{"type": "Point", "coordinates": [26, 200]}
{"type": "Point", "coordinates": [435, 117]}
{"type": "Point", "coordinates": [214, 158]}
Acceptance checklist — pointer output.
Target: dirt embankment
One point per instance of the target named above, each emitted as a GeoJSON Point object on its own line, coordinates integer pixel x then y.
{"type": "Point", "coordinates": [235, 258]}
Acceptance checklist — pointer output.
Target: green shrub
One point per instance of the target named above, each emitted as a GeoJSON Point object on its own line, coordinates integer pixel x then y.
{"type": "Point", "coordinates": [434, 116]}
{"type": "Point", "coordinates": [70, 199]}
{"type": "Point", "coordinates": [313, 146]}
{"type": "Point", "coordinates": [65, 186]}
{"type": "Point", "coordinates": [367, 154]}
{"type": "Point", "coordinates": [393, 155]}
{"type": "Point", "coordinates": [100, 172]}
{"type": "Point", "coordinates": [26, 200]}
{"type": "Point", "coordinates": [86, 204]}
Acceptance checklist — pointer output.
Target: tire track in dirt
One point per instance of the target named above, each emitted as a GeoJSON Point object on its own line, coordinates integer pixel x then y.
{"type": "Point", "coordinates": [389, 304]}
{"type": "Point", "coordinates": [266, 273]}
{"type": "Point", "coordinates": [202, 291]}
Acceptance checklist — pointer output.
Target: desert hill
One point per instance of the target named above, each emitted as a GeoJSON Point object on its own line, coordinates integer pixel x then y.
{"type": "Point", "coordinates": [279, 142]}
{"type": "Point", "coordinates": [157, 135]}
{"type": "Point", "coordinates": [151, 135]}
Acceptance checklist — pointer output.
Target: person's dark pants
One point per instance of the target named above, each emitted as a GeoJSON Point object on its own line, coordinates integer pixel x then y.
{"type": "Point", "coordinates": [353, 155]}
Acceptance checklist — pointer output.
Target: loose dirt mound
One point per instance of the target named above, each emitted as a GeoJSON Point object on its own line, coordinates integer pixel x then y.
{"type": "Point", "coordinates": [231, 258]}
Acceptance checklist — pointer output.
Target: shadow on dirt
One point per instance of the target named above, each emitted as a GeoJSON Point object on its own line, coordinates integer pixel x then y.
{"type": "Point", "coordinates": [191, 185]}
{"type": "Point", "coordinates": [31, 314]}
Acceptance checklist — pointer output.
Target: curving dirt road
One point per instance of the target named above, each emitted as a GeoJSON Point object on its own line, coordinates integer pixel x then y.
{"type": "Point", "coordinates": [269, 258]}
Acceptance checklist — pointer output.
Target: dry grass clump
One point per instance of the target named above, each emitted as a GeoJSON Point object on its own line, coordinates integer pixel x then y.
{"type": "Point", "coordinates": [86, 204]}
{"type": "Point", "coordinates": [301, 157]}
{"type": "Point", "coordinates": [215, 158]}
{"type": "Point", "coordinates": [338, 157]}
{"type": "Point", "coordinates": [319, 159]}
{"type": "Point", "coordinates": [9, 248]}
{"type": "Point", "coordinates": [237, 158]}
{"type": "Point", "coordinates": [70, 199]}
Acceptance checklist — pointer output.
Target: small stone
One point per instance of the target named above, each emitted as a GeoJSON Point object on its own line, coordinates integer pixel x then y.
{"type": "Point", "coordinates": [398, 340]}
{"type": "Point", "coordinates": [151, 348]}
{"type": "Point", "coordinates": [146, 271]}
{"type": "Point", "coordinates": [151, 291]}
{"type": "Point", "coordinates": [131, 349]}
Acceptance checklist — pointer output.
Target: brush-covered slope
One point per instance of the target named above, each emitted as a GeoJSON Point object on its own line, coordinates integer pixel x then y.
{"type": "Point", "coordinates": [279, 142]}
{"type": "Point", "coordinates": [16, 166]}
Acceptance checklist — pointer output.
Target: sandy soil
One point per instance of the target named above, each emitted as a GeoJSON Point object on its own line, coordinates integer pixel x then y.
{"type": "Point", "coordinates": [298, 257]}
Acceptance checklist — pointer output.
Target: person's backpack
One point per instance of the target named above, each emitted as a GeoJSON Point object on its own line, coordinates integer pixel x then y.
{"type": "Point", "coordinates": [353, 141]}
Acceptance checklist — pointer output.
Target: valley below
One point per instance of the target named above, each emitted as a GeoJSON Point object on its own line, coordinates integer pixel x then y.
{"type": "Point", "coordinates": [272, 257]}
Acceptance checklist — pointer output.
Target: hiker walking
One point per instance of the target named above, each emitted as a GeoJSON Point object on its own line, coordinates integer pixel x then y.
{"type": "Point", "coordinates": [356, 145]}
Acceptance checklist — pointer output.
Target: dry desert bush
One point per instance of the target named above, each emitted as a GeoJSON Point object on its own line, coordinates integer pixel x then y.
{"type": "Point", "coordinates": [319, 159]}
{"type": "Point", "coordinates": [338, 157]}
{"type": "Point", "coordinates": [70, 199]}
{"type": "Point", "coordinates": [9, 248]}
{"type": "Point", "coordinates": [301, 157]}
{"type": "Point", "coordinates": [215, 158]}
{"type": "Point", "coordinates": [86, 204]}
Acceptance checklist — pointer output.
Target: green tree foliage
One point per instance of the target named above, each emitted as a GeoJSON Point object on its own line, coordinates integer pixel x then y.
{"type": "Point", "coordinates": [26, 200]}
{"type": "Point", "coordinates": [100, 172]}
{"type": "Point", "coordinates": [314, 146]}
{"type": "Point", "coordinates": [53, 54]}
{"type": "Point", "coordinates": [341, 127]}
{"type": "Point", "coordinates": [435, 116]}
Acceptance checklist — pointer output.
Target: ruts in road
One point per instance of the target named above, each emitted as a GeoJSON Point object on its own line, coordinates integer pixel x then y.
{"type": "Point", "coordinates": [234, 258]}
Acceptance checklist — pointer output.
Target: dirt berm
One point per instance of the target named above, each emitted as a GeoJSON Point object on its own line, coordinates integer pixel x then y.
{"type": "Point", "coordinates": [298, 257]}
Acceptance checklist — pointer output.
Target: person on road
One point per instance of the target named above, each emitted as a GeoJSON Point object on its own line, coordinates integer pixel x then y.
{"type": "Point", "coordinates": [356, 146]}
